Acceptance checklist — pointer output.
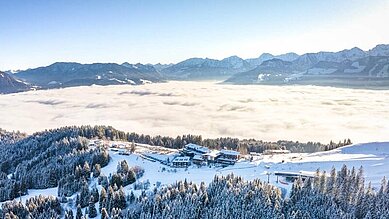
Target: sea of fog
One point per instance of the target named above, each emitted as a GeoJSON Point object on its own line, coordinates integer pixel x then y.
{"type": "Point", "coordinates": [303, 113]}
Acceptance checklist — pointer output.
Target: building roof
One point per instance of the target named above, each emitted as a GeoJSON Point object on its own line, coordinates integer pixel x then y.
{"type": "Point", "coordinates": [198, 157]}
{"type": "Point", "coordinates": [213, 153]}
{"type": "Point", "coordinates": [181, 159]}
{"type": "Point", "coordinates": [229, 152]}
{"type": "Point", "coordinates": [198, 148]}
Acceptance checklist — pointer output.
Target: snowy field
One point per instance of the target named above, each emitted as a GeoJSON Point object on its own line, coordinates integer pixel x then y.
{"type": "Point", "coordinates": [304, 113]}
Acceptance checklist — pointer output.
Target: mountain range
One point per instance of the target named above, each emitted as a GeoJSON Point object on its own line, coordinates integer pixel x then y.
{"type": "Point", "coordinates": [349, 67]}
{"type": "Point", "coordinates": [67, 74]}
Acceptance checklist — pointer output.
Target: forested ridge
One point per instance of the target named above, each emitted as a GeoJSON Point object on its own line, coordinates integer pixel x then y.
{"type": "Point", "coordinates": [43, 159]}
{"type": "Point", "coordinates": [245, 145]}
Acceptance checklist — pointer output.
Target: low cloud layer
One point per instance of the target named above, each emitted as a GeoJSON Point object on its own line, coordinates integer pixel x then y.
{"type": "Point", "coordinates": [303, 113]}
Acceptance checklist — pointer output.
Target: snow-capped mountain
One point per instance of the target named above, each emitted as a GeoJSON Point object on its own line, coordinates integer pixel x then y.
{"type": "Point", "coordinates": [309, 59]}
{"type": "Point", "coordinates": [379, 50]}
{"type": "Point", "coordinates": [12, 71]}
{"type": "Point", "coordinates": [199, 68]}
{"type": "Point", "coordinates": [8, 84]}
{"type": "Point", "coordinates": [236, 62]}
{"type": "Point", "coordinates": [65, 74]}
{"type": "Point", "coordinates": [267, 56]}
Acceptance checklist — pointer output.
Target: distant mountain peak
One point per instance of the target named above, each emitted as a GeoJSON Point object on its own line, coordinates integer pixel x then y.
{"type": "Point", "coordinates": [379, 50]}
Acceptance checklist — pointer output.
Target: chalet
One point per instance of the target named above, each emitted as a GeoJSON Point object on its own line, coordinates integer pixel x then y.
{"type": "Point", "coordinates": [227, 157]}
{"type": "Point", "coordinates": [181, 162]}
{"type": "Point", "coordinates": [193, 149]}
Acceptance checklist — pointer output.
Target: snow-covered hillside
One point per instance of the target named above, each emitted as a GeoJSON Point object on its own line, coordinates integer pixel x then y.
{"type": "Point", "coordinates": [374, 157]}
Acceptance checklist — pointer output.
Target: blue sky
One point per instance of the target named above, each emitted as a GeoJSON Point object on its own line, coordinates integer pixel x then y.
{"type": "Point", "coordinates": [38, 33]}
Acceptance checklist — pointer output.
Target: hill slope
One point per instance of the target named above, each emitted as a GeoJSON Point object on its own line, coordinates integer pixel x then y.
{"type": "Point", "coordinates": [8, 84]}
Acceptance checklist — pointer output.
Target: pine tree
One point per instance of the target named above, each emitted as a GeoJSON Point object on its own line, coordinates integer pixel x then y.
{"type": "Point", "coordinates": [79, 214]}
{"type": "Point", "coordinates": [104, 213]}
{"type": "Point", "coordinates": [382, 191]}
{"type": "Point", "coordinates": [121, 198]}
{"type": "Point", "coordinates": [131, 176]}
{"type": "Point", "coordinates": [69, 214]}
{"type": "Point", "coordinates": [316, 180]}
{"type": "Point", "coordinates": [131, 197]}
{"type": "Point", "coordinates": [92, 212]}
{"type": "Point", "coordinates": [96, 170]}
{"type": "Point", "coordinates": [102, 199]}
{"type": "Point", "coordinates": [110, 197]}
{"type": "Point", "coordinates": [86, 170]}
{"type": "Point", "coordinates": [133, 147]}
{"type": "Point", "coordinates": [331, 187]}
{"type": "Point", "coordinates": [323, 181]}
{"type": "Point", "coordinates": [84, 196]}
{"type": "Point", "coordinates": [95, 193]}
